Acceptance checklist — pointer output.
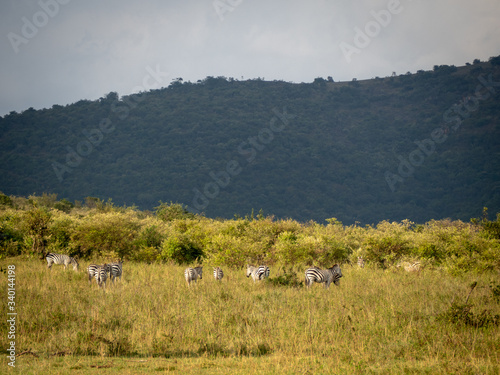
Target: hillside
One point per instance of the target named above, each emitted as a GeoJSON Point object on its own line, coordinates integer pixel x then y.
{"type": "Point", "coordinates": [418, 146]}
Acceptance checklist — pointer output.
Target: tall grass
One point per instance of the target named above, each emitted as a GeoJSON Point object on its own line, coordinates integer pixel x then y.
{"type": "Point", "coordinates": [376, 321]}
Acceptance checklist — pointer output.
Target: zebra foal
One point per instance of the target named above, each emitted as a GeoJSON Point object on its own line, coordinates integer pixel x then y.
{"type": "Point", "coordinates": [361, 262]}
{"type": "Point", "coordinates": [218, 274]}
{"type": "Point", "coordinates": [318, 275]}
{"type": "Point", "coordinates": [192, 274]}
{"type": "Point", "coordinates": [258, 273]}
{"type": "Point", "coordinates": [66, 260]}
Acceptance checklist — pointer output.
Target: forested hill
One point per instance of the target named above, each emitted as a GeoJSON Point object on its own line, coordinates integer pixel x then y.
{"type": "Point", "coordinates": [418, 146]}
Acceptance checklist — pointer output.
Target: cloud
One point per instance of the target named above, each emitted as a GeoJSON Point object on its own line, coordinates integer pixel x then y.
{"type": "Point", "coordinates": [90, 48]}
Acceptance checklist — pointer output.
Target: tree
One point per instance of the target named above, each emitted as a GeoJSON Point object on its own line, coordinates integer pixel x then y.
{"type": "Point", "coordinates": [37, 221]}
{"type": "Point", "coordinates": [172, 211]}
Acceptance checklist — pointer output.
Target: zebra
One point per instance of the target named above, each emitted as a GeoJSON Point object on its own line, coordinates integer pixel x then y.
{"type": "Point", "coordinates": [361, 262]}
{"type": "Point", "coordinates": [101, 275]}
{"type": "Point", "coordinates": [115, 270]}
{"type": "Point", "coordinates": [92, 270]}
{"type": "Point", "coordinates": [218, 274]}
{"type": "Point", "coordinates": [258, 273]}
{"type": "Point", "coordinates": [192, 274]}
{"type": "Point", "coordinates": [318, 275]}
{"type": "Point", "coordinates": [61, 259]}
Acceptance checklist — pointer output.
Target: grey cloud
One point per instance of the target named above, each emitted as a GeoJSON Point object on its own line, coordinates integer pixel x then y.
{"type": "Point", "coordinates": [90, 48]}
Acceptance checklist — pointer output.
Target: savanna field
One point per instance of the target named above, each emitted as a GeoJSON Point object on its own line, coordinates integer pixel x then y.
{"type": "Point", "coordinates": [442, 317]}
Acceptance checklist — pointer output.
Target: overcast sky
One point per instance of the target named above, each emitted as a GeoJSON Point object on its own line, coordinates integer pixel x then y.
{"type": "Point", "coordinates": [61, 51]}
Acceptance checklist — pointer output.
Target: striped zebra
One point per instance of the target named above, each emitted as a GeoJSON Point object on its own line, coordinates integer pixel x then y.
{"type": "Point", "coordinates": [318, 275]}
{"type": "Point", "coordinates": [92, 270]}
{"type": "Point", "coordinates": [115, 270]}
{"type": "Point", "coordinates": [218, 274]}
{"type": "Point", "coordinates": [258, 273]}
{"type": "Point", "coordinates": [61, 259]}
{"type": "Point", "coordinates": [361, 262]}
{"type": "Point", "coordinates": [101, 275]}
{"type": "Point", "coordinates": [192, 274]}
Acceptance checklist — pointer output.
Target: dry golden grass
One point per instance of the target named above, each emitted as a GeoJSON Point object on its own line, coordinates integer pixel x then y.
{"type": "Point", "coordinates": [387, 322]}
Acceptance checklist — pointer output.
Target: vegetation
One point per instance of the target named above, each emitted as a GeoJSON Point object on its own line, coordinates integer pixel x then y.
{"type": "Point", "coordinates": [375, 322]}
{"type": "Point", "coordinates": [97, 229]}
{"type": "Point", "coordinates": [442, 319]}
{"type": "Point", "coordinates": [219, 147]}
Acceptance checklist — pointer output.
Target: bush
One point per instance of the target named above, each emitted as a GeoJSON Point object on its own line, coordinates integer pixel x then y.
{"type": "Point", "coordinates": [180, 250]}
{"type": "Point", "coordinates": [5, 200]}
{"type": "Point", "coordinates": [64, 205]}
{"type": "Point", "coordinates": [146, 254]}
{"type": "Point", "coordinates": [111, 234]}
{"type": "Point", "coordinates": [37, 221]}
{"type": "Point", "coordinates": [288, 278]}
{"type": "Point", "coordinates": [172, 211]}
{"type": "Point", "coordinates": [289, 249]}
{"type": "Point", "coordinates": [224, 249]}
{"type": "Point", "coordinates": [150, 237]}
{"type": "Point", "coordinates": [11, 234]}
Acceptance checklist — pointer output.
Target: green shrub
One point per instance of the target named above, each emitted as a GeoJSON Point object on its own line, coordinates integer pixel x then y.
{"type": "Point", "coordinates": [224, 249]}
{"type": "Point", "coordinates": [172, 211]}
{"type": "Point", "coordinates": [11, 234]}
{"type": "Point", "coordinates": [60, 234]}
{"type": "Point", "coordinates": [5, 200]}
{"type": "Point", "coordinates": [288, 278]}
{"type": "Point", "coordinates": [64, 205]}
{"type": "Point", "coordinates": [146, 254]}
{"type": "Point", "coordinates": [180, 250]}
{"type": "Point", "coordinates": [150, 237]}
{"type": "Point", "coordinates": [110, 234]}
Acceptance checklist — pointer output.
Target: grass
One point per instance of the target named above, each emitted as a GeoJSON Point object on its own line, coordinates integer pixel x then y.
{"type": "Point", "coordinates": [375, 322]}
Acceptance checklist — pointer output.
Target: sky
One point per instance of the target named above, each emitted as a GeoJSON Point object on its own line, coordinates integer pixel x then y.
{"type": "Point", "coordinates": [63, 51]}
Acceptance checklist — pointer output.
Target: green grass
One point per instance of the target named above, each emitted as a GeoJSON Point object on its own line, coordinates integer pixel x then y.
{"type": "Point", "coordinates": [375, 322]}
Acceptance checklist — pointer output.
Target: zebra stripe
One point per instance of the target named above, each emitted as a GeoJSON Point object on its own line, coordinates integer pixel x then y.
{"type": "Point", "coordinates": [258, 273]}
{"type": "Point", "coordinates": [361, 262]}
{"type": "Point", "coordinates": [218, 274]}
{"type": "Point", "coordinates": [192, 274]}
{"type": "Point", "coordinates": [318, 275]}
{"type": "Point", "coordinates": [101, 275]}
{"type": "Point", "coordinates": [115, 270]}
{"type": "Point", "coordinates": [61, 259]}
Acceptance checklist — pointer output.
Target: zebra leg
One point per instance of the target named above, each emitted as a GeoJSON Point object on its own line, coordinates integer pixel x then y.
{"type": "Point", "coordinates": [308, 283]}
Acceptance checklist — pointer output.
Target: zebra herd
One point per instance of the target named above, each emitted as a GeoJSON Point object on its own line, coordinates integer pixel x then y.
{"type": "Point", "coordinates": [115, 269]}
{"type": "Point", "coordinates": [313, 274]}
{"type": "Point", "coordinates": [98, 271]}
